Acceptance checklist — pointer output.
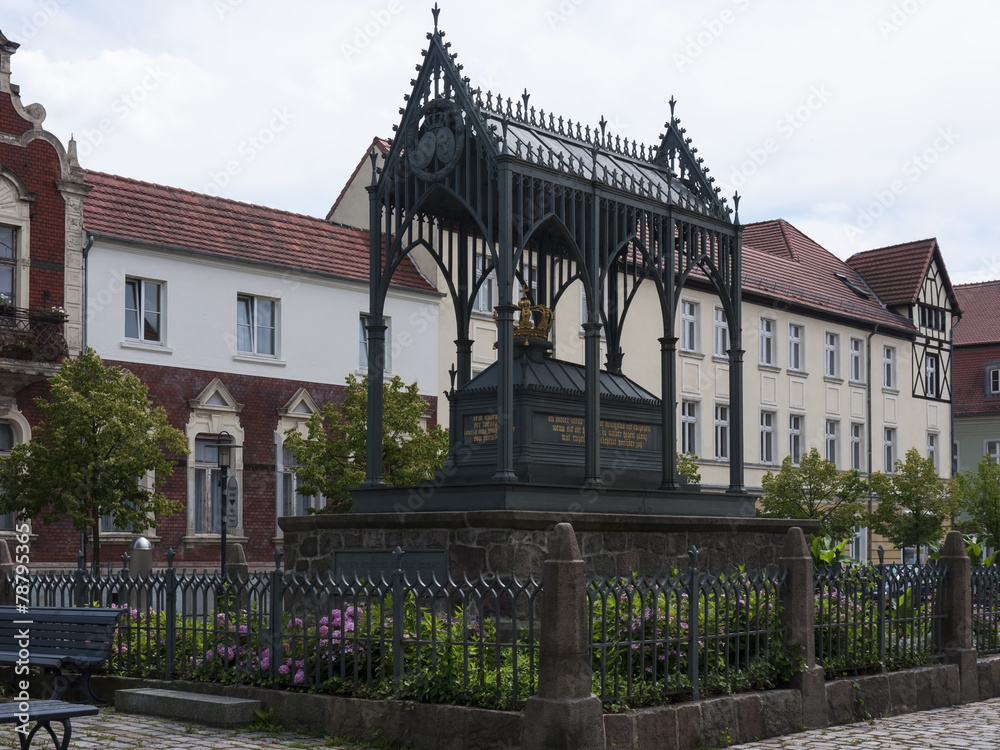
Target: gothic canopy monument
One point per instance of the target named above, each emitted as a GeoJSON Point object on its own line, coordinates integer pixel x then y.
{"type": "Point", "coordinates": [494, 188]}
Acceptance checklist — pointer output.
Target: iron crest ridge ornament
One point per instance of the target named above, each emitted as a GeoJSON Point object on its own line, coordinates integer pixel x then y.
{"type": "Point", "coordinates": [435, 139]}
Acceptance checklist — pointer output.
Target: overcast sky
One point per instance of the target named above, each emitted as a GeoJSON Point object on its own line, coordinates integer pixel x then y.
{"type": "Point", "coordinates": [864, 123]}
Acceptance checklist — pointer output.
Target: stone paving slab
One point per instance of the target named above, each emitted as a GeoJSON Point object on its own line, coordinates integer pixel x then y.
{"type": "Point", "coordinates": [975, 726]}
{"type": "Point", "coordinates": [114, 731]}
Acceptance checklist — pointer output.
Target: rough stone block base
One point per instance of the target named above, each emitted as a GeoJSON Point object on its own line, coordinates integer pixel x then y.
{"type": "Point", "coordinates": [200, 708]}
{"type": "Point", "coordinates": [575, 724]}
{"type": "Point", "coordinates": [812, 685]}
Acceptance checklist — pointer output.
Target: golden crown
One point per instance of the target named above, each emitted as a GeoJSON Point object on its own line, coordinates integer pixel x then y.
{"type": "Point", "coordinates": [534, 321]}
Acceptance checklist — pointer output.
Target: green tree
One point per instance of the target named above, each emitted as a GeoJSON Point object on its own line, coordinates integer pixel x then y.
{"type": "Point", "coordinates": [99, 436]}
{"type": "Point", "coordinates": [913, 502]}
{"type": "Point", "coordinates": [332, 454]}
{"type": "Point", "coordinates": [979, 493]}
{"type": "Point", "coordinates": [815, 489]}
{"type": "Point", "coordinates": [687, 466]}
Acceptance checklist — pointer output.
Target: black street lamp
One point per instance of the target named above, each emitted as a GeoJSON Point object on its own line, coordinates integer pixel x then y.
{"type": "Point", "coordinates": [227, 495]}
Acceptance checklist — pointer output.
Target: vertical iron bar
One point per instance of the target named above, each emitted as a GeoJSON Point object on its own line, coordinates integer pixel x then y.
{"type": "Point", "coordinates": [275, 617]}
{"type": "Point", "coordinates": [170, 607]}
{"type": "Point", "coordinates": [692, 590]}
{"type": "Point", "coordinates": [397, 618]}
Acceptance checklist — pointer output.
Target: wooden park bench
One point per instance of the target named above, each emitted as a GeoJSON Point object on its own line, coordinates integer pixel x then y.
{"type": "Point", "coordinates": [43, 713]}
{"type": "Point", "coordinates": [74, 639]}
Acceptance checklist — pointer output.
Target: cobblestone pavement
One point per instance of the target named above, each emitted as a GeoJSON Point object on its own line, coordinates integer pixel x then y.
{"type": "Point", "coordinates": [113, 731]}
{"type": "Point", "coordinates": [972, 727]}
{"type": "Point", "coordinates": [975, 726]}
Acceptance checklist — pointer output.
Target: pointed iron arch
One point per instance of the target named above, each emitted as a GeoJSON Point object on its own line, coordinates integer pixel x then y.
{"type": "Point", "coordinates": [549, 202]}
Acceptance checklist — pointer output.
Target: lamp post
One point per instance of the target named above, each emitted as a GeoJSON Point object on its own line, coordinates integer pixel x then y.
{"type": "Point", "coordinates": [227, 494]}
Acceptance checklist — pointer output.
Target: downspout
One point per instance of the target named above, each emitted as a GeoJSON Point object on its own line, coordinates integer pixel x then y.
{"type": "Point", "coordinates": [868, 407]}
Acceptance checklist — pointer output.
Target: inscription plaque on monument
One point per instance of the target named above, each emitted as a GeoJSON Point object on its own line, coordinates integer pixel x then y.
{"type": "Point", "coordinates": [563, 428]}
{"type": "Point", "coordinates": [479, 428]}
{"type": "Point", "coordinates": [375, 564]}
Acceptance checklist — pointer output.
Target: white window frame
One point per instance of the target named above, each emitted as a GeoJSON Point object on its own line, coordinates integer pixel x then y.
{"type": "Point", "coordinates": [830, 439]}
{"type": "Point", "coordinates": [254, 330]}
{"type": "Point", "coordinates": [12, 264]}
{"type": "Point", "coordinates": [889, 449]}
{"type": "Point", "coordinates": [889, 367]}
{"type": "Point", "coordinates": [289, 481]}
{"type": "Point", "coordinates": [207, 493]}
{"type": "Point", "coordinates": [722, 432]}
{"type": "Point", "coordinates": [141, 289]}
{"type": "Point", "coordinates": [932, 375]}
{"type": "Point", "coordinates": [857, 446]}
{"type": "Point", "coordinates": [993, 381]}
{"type": "Point", "coordinates": [767, 353]}
{"type": "Point", "coordinates": [8, 520]}
{"type": "Point", "coordinates": [795, 431]}
{"type": "Point", "coordinates": [720, 338]}
{"type": "Point", "coordinates": [992, 449]}
{"type": "Point", "coordinates": [831, 357]}
{"type": "Point", "coordinates": [857, 347]}
{"type": "Point", "coordinates": [689, 326]}
{"type": "Point", "coordinates": [363, 343]}
{"type": "Point", "coordinates": [689, 427]}
{"type": "Point", "coordinates": [796, 347]}
{"type": "Point", "coordinates": [859, 544]}
{"type": "Point", "coordinates": [486, 297]}
{"type": "Point", "coordinates": [767, 447]}
{"type": "Point", "coordinates": [932, 449]}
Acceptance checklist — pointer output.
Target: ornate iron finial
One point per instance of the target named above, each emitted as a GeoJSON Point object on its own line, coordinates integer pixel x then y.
{"type": "Point", "coordinates": [451, 374]}
{"type": "Point", "coordinates": [524, 98]}
{"type": "Point", "coordinates": [604, 124]}
{"type": "Point", "coordinates": [736, 204]}
{"type": "Point", "coordinates": [374, 158]}
{"type": "Point", "coordinates": [673, 103]}
{"type": "Point", "coordinates": [436, 11]}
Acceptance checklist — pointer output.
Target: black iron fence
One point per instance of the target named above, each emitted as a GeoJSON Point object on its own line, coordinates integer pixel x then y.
{"type": "Point", "coordinates": [986, 608]}
{"type": "Point", "coordinates": [394, 634]}
{"type": "Point", "coordinates": [653, 637]}
{"type": "Point", "coordinates": [877, 616]}
{"type": "Point", "coordinates": [684, 633]}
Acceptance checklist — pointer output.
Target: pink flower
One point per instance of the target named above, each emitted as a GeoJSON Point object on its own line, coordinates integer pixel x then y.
{"type": "Point", "coordinates": [300, 677]}
{"type": "Point", "coordinates": [283, 669]}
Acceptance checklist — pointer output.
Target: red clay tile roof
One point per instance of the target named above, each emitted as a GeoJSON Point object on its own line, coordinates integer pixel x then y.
{"type": "Point", "coordinates": [968, 396]}
{"type": "Point", "coordinates": [980, 323]}
{"type": "Point", "coordinates": [896, 273]}
{"type": "Point", "coordinates": [382, 145]}
{"type": "Point", "coordinates": [128, 209]}
{"type": "Point", "coordinates": [781, 262]}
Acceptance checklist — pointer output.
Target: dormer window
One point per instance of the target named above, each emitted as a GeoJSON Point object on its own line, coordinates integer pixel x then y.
{"type": "Point", "coordinates": [993, 381]}
{"type": "Point", "coordinates": [852, 286]}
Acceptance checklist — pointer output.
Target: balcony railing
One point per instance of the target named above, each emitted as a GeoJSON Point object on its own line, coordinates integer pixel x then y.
{"type": "Point", "coordinates": [33, 335]}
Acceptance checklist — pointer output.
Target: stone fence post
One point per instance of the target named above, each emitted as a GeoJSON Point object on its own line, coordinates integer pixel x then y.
{"type": "Point", "coordinates": [956, 628]}
{"type": "Point", "coordinates": [564, 714]}
{"type": "Point", "coordinates": [798, 616]}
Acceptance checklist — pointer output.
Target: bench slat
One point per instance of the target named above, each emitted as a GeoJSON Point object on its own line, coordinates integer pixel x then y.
{"type": "Point", "coordinates": [45, 710]}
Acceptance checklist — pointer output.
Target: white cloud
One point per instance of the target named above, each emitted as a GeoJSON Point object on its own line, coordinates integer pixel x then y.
{"type": "Point", "coordinates": [897, 73]}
